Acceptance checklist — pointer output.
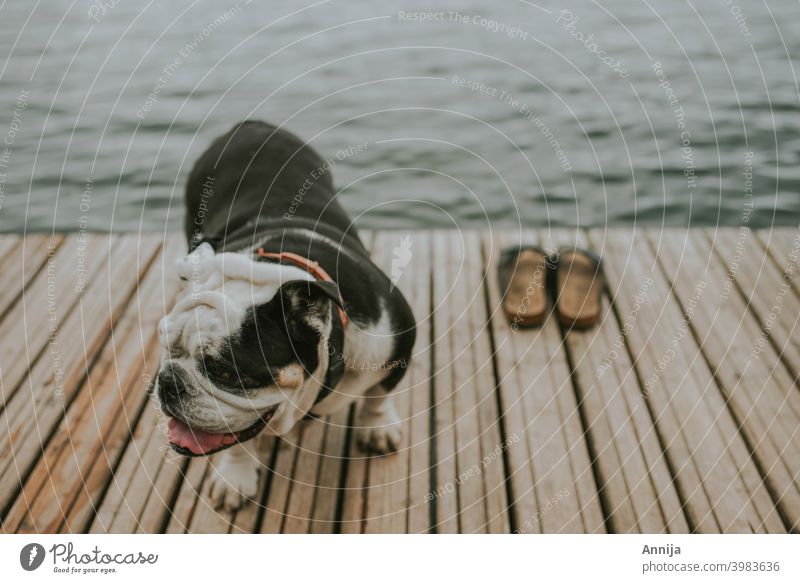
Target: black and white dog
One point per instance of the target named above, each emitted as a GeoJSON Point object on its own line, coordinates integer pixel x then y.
{"type": "Point", "coordinates": [282, 315]}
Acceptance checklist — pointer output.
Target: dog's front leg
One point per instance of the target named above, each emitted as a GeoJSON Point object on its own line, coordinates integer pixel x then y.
{"type": "Point", "coordinates": [378, 427]}
{"type": "Point", "coordinates": [234, 476]}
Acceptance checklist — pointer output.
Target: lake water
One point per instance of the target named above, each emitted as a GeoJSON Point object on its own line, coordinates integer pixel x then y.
{"type": "Point", "coordinates": [619, 112]}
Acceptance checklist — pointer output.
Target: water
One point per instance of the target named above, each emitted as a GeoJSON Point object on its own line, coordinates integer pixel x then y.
{"type": "Point", "coordinates": [688, 116]}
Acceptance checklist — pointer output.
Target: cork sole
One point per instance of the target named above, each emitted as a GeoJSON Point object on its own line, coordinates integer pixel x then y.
{"type": "Point", "coordinates": [525, 301]}
{"type": "Point", "coordinates": [578, 287]}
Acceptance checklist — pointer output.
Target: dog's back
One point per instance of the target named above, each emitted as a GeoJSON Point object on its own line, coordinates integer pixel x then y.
{"type": "Point", "coordinates": [257, 165]}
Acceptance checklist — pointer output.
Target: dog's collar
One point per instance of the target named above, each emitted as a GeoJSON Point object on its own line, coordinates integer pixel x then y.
{"type": "Point", "coordinates": [312, 267]}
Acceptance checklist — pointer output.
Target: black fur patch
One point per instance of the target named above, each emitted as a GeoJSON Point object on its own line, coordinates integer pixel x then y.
{"type": "Point", "coordinates": [242, 194]}
{"type": "Point", "coordinates": [273, 335]}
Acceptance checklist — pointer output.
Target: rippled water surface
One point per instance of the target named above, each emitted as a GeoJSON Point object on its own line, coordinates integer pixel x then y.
{"type": "Point", "coordinates": [623, 111]}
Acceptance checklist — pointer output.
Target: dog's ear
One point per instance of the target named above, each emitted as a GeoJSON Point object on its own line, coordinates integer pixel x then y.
{"type": "Point", "coordinates": [309, 294]}
{"type": "Point", "coordinates": [193, 265]}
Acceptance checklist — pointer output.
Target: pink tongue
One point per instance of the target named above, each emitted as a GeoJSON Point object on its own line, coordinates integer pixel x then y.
{"type": "Point", "coordinates": [195, 440]}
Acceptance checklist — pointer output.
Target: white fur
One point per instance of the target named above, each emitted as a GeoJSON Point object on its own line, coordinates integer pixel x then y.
{"type": "Point", "coordinates": [366, 352]}
{"type": "Point", "coordinates": [212, 305]}
{"type": "Point", "coordinates": [234, 476]}
{"type": "Point", "coordinates": [220, 288]}
{"type": "Point", "coordinates": [379, 427]}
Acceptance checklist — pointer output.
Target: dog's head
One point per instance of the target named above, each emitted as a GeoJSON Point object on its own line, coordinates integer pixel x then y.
{"type": "Point", "coordinates": [244, 348]}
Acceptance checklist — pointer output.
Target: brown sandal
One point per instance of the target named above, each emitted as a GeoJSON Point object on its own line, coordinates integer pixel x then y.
{"type": "Point", "coordinates": [577, 287]}
{"type": "Point", "coordinates": [522, 273]}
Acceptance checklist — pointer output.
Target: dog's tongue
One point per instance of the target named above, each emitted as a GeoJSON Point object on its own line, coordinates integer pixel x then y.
{"type": "Point", "coordinates": [195, 440]}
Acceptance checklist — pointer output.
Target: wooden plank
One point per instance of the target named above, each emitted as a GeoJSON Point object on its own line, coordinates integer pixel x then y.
{"type": "Point", "coordinates": [706, 453]}
{"type": "Point", "coordinates": [753, 481]}
{"type": "Point", "coordinates": [564, 484]}
{"type": "Point", "coordinates": [329, 489]}
{"type": "Point", "coordinates": [22, 259]}
{"type": "Point", "coordinates": [479, 485]}
{"type": "Point", "coordinates": [465, 290]}
{"type": "Point", "coordinates": [755, 385]}
{"type": "Point", "coordinates": [492, 444]}
{"type": "Point", "coordinates": [137, 478]}
{"type": "Point", "coordinates": [48, 384]}
{"type": "Point", "coordinates": [524, 498]}
{"type": "Point", "coordinates": [633, 472]}
{"type": "Point", "coordinates": [716, 477]}
{"type": "Point", "coordinates": [784, 248]}
{"type": "Point", "coordinates": [92, 435]}
{"type": "Point", "coordinates": [418, 517]}
{"type": "Point", "coordinates": [387, 487]}
{"type": "Point", "coordinates": [47, 301]}
{"type": "Point", "coordinates": [561, 463]}
{"type": "Point", "coordinates": [152, 298]}
{"type": "Point", "coordinates": [771, 285]}
{"type": "Point", "coordinates": [300, 505]}
{"type": "Point", "coordinates": [355, 487]}
{"type": "Point", "coordinates": [446, 492]}
{"type": "Point", "coordinates": [281, 482]}
{"type": "Point", "coordinates": [189, 496]}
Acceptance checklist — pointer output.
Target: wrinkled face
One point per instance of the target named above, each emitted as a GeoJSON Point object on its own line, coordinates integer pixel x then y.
{"type": "Point", "coordinates": [243, 349]}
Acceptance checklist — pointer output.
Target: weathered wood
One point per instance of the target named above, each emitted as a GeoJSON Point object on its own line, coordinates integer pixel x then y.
{"type": "Point", "coordinates": [717, 481]}
{"type": "Point", "coordinates": [41, 310]}
{"type": "Point", "coordinates": [418, 519]}
{"type": "Point", "coordinates": [53, 382]}
{"type": "Point", "coordinates": [300, 506]}
{"type": "Point", "coordinates": [566, 498]}
{"type": "Point", "coordinates": [464, 290]}
{"type": "Point", "coordinates": [769, 281]}
{"type": "Point", "coordinates": [526, 517]}
{"type": "Point", "coordinates": [446, 491]}
{"type": "Point", "coordinates": [194, 479]}
{"type": "Point", "coordinates": [22, 259]}
{"type": "Point", "coordinates": [91, 426]}
{"type": "Point", "coordinates": [331, 471]}
{"type": "Point", "coordinates": [387, 487]}
{"type": "Point", "coordinates": [634, 477]}
{"type": "Point", "coordinates": [755, 385]}
{"type": "Point", "coordinates": [679, 411]}
{"type": "Point", "coordinates": [493, 444]}
{"type": "Point", "coordinates": [281, 481]}
{"type": "Point", "coordinates": [139, 477]}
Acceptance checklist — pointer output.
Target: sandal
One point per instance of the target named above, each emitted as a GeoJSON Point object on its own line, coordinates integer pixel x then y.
{"type": "Point", "coordinates": [577, 287]}
{"type": "Point", "coordinates": [522, 274]}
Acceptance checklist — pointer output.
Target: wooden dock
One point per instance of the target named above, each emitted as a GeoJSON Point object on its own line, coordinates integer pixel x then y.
{"type": "Point", "coordinates": [679, 413]}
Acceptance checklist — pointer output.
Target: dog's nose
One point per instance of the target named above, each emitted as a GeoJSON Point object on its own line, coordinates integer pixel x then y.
{"type": "Point", "coordinates": [171, 383]}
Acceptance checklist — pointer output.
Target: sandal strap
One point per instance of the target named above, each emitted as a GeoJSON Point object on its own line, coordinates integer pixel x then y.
{"type": "Point", "coordinates": [592, 255]}
{"type": "Point", "coordinates": [508, 254]}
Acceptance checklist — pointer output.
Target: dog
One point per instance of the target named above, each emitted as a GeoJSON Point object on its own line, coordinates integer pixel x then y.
{"type": "Point", "coordinates": [282, 315]}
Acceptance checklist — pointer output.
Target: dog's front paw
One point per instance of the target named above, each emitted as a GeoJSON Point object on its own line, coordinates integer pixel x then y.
{"type": "Point", "coordinates": [232, 484]}
{"type": "Point", "coordinates": [379, 434]}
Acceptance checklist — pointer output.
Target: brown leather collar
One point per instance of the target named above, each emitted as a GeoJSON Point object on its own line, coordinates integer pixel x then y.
{"type": "Point", "coordinates": [312, 267]}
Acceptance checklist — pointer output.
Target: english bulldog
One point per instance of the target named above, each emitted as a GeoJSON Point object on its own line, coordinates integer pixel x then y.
{"type": "Point", "coordinates": [282, 315]}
